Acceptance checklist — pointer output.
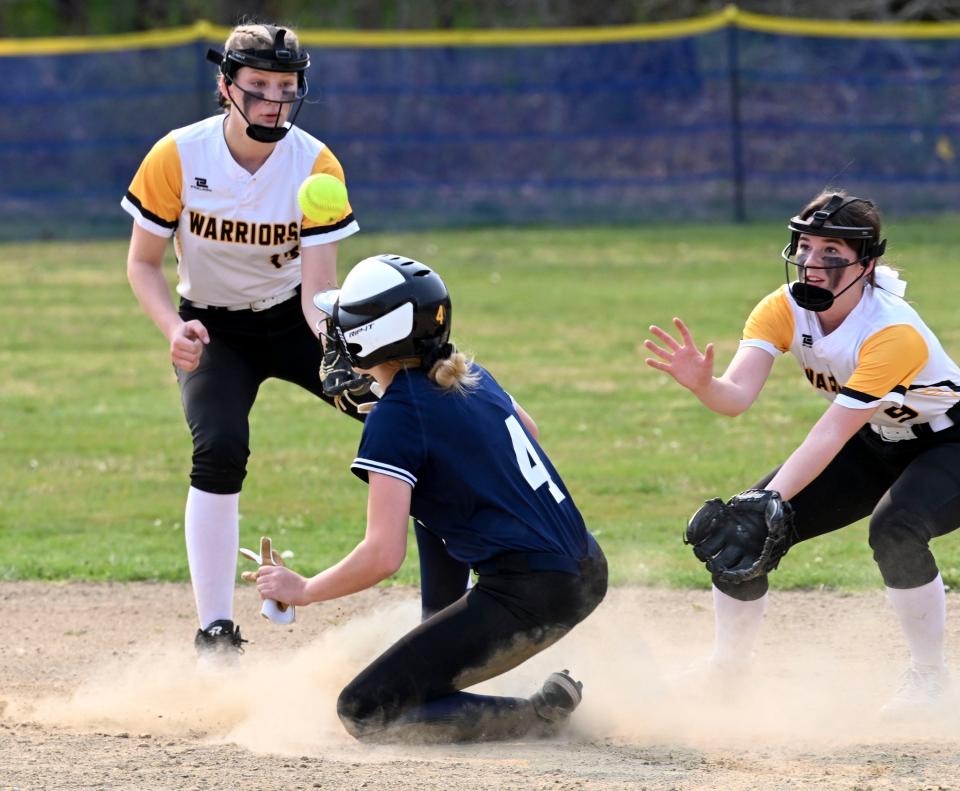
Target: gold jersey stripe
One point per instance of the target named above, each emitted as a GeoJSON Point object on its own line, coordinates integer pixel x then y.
{"type": "Point", "coordinates": [771, 321]}
{"type": "Point", "coordinates": [889, 359]}
{"type": "Point", "coordinates": [158, 183]}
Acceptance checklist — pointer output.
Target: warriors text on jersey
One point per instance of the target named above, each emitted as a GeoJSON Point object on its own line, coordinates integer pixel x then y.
{"type": "Point", "coordinates": [882, 354]}
{"type": "Point", "coordinates": [238, 235]}
{"type": "Point", "coordinates": [480, 481]}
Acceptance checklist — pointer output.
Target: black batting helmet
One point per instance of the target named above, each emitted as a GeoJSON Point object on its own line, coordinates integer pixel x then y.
{"type": "Point", "coordinates": [389, 308]}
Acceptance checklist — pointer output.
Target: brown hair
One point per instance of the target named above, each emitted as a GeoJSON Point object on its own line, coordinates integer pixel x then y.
{"type": "Point", "coordinates": [250, 35]}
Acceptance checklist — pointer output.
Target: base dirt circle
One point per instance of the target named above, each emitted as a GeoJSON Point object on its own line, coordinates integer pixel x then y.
{"type": "Point", "coordinates": [101, 689]}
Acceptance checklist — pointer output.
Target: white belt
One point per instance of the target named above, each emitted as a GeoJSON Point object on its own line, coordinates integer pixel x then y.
{"type": "Point", "coordinates": [256, 306]}
{"type": "Point", "coordinates": [898, 433]}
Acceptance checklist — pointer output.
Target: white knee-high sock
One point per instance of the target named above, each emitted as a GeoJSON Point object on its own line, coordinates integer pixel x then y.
{"type": "Point", "coordinates": [736, 625]}
{"type": "Point", "coordinates": [922, 613]}
{"type": "Point", "coordinates": [212, 530]}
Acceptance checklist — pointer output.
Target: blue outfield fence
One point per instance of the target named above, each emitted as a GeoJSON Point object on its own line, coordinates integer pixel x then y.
{"type": "Point", "coordinates": [730, 117]}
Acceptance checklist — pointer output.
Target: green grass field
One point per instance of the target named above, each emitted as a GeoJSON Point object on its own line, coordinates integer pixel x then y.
{"type": "Point", "coordinates": [94, 452]}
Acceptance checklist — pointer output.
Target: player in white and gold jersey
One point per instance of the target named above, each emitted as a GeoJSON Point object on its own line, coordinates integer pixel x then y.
{"type": "Point", "coordinates": [887, 446]}
{"type": "Point", "coordinates": [249, 264]}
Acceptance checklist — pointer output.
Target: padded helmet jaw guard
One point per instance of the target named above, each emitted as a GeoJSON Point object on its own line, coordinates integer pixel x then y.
{"type": "Point", "coordinates": [389, 308]}
{"type": "Point", "coordinates": [279, 59]}
{"type": "Point", "coordinates": [870, 247]}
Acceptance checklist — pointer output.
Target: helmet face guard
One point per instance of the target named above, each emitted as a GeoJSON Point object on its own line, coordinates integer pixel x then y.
{"type": "Point", "coordinates": [389, 308]}
{"type": "Point", "coordinates": [863, 238]}
{"type": "Point", "coordinates": [279, 59]}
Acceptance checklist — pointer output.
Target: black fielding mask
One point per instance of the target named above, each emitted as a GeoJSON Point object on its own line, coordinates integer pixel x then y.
{"type": "Point", "coordinates": [870, 247]}
{"type": "Point", "coordinates": [278, 59]}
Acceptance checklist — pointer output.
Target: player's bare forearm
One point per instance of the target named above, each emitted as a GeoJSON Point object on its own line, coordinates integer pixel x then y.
{"type": "Point", "coordinates": [383, 548]}
{"type": "Point", "coordinates": [145, 275]}
{"type": "Point", "coordinates": [834, 429]}
{"type": "Point", "coordinates": [318, 267]}
{"type": "Point", "coordinates": [152, 292]}
{"type": "Point", "coordinates": [363, 568]}
{"type": "Point", "coordinates": [735, 391]}
{"type": "Point", "coordinates": [725, 397]}
{"type": "Point", "coordinates": [681, 359]}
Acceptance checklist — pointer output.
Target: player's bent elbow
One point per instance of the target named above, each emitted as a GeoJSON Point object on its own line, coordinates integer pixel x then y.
{"type": "Point", "coordinates": [733, 406]}
{"type": "Point", "coordinates": [734, 410]}
{"type": "Point", "coordinates": [393, 564]}
{"type": "Point", "coordinates": [386, 562]}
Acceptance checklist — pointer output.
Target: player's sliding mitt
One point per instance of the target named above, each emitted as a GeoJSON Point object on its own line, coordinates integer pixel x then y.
{"type": "Point", "coordinates": [338, 377]}
{"type": "Point", "coordinates": [743, 538]}
{"type": "Point", "coordinates": [353, 393]}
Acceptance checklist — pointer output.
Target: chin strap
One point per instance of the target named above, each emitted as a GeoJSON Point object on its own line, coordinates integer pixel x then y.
{"type": "Point", "coordinates": [817, 298]}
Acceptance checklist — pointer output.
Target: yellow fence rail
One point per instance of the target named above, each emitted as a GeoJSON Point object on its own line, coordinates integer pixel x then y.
{"type": "Point", "coordinates": [730, 16]}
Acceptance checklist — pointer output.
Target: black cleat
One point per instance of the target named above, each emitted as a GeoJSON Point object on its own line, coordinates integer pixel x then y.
{"type": "Point", "coordinates": [558, 697]}
{"type": "Point", "coordinates": [221, 638]}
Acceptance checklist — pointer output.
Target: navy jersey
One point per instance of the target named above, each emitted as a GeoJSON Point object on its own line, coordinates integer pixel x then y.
{"type": "Point", "coordinates": [480, 481]}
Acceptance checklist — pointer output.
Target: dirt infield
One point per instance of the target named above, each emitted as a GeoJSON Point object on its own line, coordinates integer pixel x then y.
{"type": "Point", "coordinates": [100, 689]}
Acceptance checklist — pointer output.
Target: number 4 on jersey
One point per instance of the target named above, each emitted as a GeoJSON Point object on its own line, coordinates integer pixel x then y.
{"type": "Point", "coordinates": [531, 466]}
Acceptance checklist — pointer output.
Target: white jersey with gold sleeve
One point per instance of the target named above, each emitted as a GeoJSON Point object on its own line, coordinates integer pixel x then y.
{"type": "Point", "coordinates": [238, 235]}
{"type": "Point", "coordinates": [882, 354]}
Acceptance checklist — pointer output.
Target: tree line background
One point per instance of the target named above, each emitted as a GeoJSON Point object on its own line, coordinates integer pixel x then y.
{"type": "Point", "coordinates": [24, 18]}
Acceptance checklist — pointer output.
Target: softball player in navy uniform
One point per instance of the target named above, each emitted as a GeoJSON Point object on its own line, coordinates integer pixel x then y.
{"type": "Point", "coordinates": [887, 447]}
{"type": "Point", "coordinates": [448, 446]}
{"type": "Point", "coordinates": [226, 190]}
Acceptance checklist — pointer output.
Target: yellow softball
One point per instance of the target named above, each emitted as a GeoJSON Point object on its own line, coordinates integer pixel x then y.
{"type": "Point", "coordinates": [322, 198]}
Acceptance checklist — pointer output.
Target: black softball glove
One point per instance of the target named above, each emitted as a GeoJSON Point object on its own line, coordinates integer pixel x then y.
{"type": "Point", "coordinates": [743, 538]}
{"type": "Point", "coordinates": [338, 377]}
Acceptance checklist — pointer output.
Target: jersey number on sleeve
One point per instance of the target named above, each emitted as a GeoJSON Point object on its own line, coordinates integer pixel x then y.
{"type": "Point", "coordinates": [901, 413]}
{"type": "Point", "coordinates": [531, 466]}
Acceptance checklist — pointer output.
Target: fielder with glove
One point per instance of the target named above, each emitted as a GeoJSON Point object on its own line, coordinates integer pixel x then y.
{"type": "Point", "coordinates": [887, 446]}
{"type": "Point", "coordinates": [245, 311]}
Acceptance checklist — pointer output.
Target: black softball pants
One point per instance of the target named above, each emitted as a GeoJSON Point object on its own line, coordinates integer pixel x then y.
{"type": "Point", "coordinates": [246, 348]}
{"type": "Point", "coordinates": [910, 489]}
{"type": "Point", "coordinates": [413, 691]}
{"type": "Point", "coordinates": [443, 578]}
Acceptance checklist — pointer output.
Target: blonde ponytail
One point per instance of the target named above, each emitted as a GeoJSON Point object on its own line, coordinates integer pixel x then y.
{"type": "Point", "coordinates": [454, 373]}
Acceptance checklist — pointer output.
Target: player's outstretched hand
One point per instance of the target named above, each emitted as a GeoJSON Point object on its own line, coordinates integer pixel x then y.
{"type": "Point", "coordinates": [682, 360]}
{"type": "Point", "coordinates": [282, 584]}
{"type": "Point", "coordinates": [186, 344]}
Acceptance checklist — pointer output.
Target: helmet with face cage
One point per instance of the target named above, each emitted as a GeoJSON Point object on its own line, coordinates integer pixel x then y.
{"type": "Point", "coordinates": [389, 308]}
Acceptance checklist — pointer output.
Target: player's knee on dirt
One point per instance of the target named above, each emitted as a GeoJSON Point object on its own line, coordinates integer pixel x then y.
{"type": "Point", "coordinates": [359, 714]}
{"type": "Point", "coordinates": [900, 540]}
{"type": "Point", "coordinates": [751, 590]}
{"type": "Point", "coordinates": [219, 463]}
